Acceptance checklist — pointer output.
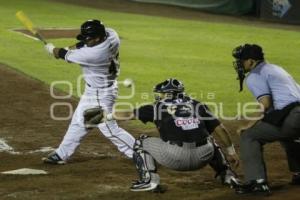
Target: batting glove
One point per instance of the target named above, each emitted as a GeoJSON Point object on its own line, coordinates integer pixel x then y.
{"type": "Point", "coordinates": [231, 150]}
{"type": "Point", "coordinates": [49, 47]}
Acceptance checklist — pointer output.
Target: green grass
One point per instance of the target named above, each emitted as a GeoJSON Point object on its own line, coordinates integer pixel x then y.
{"type": "Point", "coordinates": [153, 49]}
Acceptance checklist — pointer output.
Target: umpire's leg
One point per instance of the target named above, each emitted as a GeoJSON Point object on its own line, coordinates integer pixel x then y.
{"type": "Point", "coordinates": [291, 128]}
{"type": "Point", "coordinates": [292, 149]}
{"type": "Point", "coordinates": [251, 149]}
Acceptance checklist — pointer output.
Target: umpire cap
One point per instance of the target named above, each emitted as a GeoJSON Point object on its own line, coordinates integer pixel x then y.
{"type": "Point", "coordinates": [248, 51]}
{"type": "Point", "coordinates": [91, 29]}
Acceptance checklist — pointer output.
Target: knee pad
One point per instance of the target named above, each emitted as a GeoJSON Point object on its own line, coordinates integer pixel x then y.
{"type": "Point", "coordinates": [139, 142]}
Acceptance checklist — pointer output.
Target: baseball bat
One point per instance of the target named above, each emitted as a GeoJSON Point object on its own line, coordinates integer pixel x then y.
{"type": "Point", "coordinates": [22, 17]}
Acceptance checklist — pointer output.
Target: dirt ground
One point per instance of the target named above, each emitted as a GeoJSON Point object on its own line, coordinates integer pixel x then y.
{"type": "Point", "coordinates": [97, 170]}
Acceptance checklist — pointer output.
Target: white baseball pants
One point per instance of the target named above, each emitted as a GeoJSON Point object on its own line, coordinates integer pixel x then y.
{"type": "Point", "coordinates": [93, 97]}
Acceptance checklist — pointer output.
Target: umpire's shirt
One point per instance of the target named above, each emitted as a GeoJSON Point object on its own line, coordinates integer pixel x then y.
{"type": "Point", "coordinates": [268, 79]}
{"type": "Point", "coordinates": [180, 125]}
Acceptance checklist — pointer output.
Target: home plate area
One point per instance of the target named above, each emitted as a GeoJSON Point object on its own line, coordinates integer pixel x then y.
{"type": "Point", "coordinates": [25, 171]}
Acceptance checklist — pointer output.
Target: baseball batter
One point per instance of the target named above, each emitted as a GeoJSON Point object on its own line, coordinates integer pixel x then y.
{"type": "Point", "coordinates": [279, 96]}
{"type": "Point", "coordinates": [185, 126]}
{"type": "Point", "coordinates": [97, 53]}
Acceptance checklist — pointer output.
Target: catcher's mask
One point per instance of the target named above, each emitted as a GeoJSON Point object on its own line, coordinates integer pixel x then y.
{"type": "Point", "coordinates": [242, 53]}
{"type": "Point", "coordinates": [170, 88]}
{"type": "Point", "coordinates": [91, 29]}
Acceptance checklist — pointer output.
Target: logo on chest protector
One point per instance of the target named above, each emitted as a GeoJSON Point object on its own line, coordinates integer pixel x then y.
{"type": "Point", "coordinates": [187, 123]}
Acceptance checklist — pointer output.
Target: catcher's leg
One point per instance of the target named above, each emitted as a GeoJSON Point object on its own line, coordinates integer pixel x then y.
{"type": "Point", "coordinates": [146, 168]}
{"type": "Point", "coordinates": [222, 168]}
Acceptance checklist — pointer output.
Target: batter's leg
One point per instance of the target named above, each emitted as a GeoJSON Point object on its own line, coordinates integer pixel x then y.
{"type": "Point", "coordinates": [76, 131]}
{"type": "Point", "coordinates": [110, 129]}
{"type": "Point", "coordinates": [118, 136]}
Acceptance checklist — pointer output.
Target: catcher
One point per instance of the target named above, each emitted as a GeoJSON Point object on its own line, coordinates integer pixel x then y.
{"type": "Point", "coordinates": [185, 126]}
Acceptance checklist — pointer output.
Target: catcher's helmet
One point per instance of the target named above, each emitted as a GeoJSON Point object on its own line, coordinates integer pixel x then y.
{"type": "Point", "coordinates": [170, 85]}
{"type": "Point", "coordinates": [91, 29]}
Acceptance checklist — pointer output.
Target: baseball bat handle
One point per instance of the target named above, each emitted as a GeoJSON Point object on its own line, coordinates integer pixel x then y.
{"type": "Point", "coordinates": [40, 37]}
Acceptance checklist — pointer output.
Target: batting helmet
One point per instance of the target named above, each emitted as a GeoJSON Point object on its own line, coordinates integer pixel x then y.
{"type": "Point", "coordinates": [91, 29]}
{"type": "Point", "coordinates": [170, 85]}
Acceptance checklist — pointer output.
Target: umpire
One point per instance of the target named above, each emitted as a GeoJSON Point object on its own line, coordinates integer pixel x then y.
{"type": "Point", "coordinates": [279, 96]}
{"type": "Point", "coordinates": [185, 126]}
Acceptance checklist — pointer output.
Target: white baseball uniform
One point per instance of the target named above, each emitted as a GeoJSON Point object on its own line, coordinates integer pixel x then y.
{"type": "Point", "coordinates": [101, 89]}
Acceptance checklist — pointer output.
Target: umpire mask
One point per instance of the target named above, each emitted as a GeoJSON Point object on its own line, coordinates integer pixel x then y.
{"type": "Point", "coordinates": [238, 65]}
{"type": "Point", "coordinates": [242, 53]}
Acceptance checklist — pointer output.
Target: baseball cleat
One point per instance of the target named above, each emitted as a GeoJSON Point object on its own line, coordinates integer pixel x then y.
{"type": "Point", "coordinates": [53, 158]}
{"type": "Point", "coordinates": [255, 187]}
{"type": "Point", "coordinates": [234, 182]}
{"type": "Point", "coordinates": [228, 177]}
{"type": "Point", "coordinates": [140, 186]}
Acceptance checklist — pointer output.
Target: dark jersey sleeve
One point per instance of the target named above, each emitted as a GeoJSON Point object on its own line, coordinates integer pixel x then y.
{"type": "Point", "coordinates": [211, 122]}
{"type": "Point", "coordinates": [145, 113]}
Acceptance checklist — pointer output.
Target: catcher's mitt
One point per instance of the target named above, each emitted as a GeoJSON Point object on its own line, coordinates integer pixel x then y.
{"type": "Point", "coordinates": [92, 117]}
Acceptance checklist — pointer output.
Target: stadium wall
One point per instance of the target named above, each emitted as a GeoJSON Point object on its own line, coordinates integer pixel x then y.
{"type": "Point", "coordinates": [231, 7]}
{"type": "Point", "coordinates": [285, 11]}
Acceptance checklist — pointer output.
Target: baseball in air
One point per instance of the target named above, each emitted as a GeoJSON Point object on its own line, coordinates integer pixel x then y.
{"type": "Point", "coordinates": [128, 82]}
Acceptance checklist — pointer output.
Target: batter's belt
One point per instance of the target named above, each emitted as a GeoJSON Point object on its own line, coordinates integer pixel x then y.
{"type": "Point", "coordinates": [107, 86]}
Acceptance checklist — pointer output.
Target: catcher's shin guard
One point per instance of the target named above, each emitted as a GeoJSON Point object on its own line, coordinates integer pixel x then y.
{"type": "Point", "coordinates": [219, 162]}
{"type": "Point", "coordinates": [146, 168]}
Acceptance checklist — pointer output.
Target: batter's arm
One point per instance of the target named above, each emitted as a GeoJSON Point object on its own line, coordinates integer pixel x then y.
{"type": "Point", "coordinates": [61, 52]}
{"type": "Point", "coordinates": [78, 45]}
{"type": "Point", "coordinates": [56, 52]}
